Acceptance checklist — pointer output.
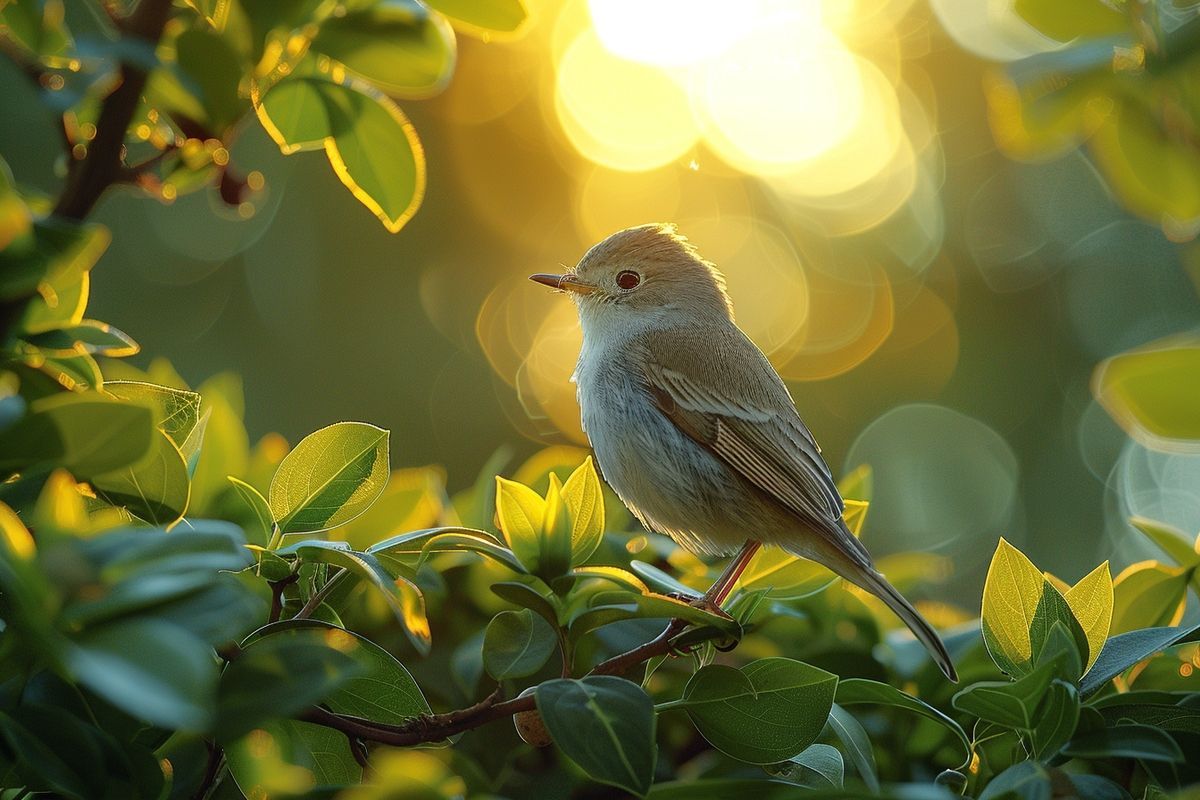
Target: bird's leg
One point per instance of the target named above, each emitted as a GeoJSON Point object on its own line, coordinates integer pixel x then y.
{"type": "Point", "coordinates": [720, 590]}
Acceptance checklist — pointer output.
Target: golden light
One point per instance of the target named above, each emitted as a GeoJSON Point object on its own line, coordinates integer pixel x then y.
{"type": "Point", "coordinates": [669, 33]}
{"type": "Point", "coordinates": [784, 94]}
{"type": "Point", "coordinates": [620, 113]}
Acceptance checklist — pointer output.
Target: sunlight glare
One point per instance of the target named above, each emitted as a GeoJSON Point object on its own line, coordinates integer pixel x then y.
{"type": "Point", "coordinates": [785, 94]}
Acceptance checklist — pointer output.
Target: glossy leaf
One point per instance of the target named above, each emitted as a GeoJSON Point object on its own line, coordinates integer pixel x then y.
{"type": "Point", "coordinates": [857, 745]}
{"type": "Point", "coordinates": [331, 477]}
{"type": "Point", "coordinates": [1009, 703]}
{"type": "Point", "coordinates": [517, 644]}
{"type": "Point", "coordinates": [766, 712]}
{"type": "Point", "coordinates": [1027, 780]}
{"type": "Point", "coordinates": [1123, 651]}
{"type": "Point", "coordinates": [520, 512]}
{"type": "Point", "coordinates": [819, 766]}
{"type": "Point", "coordinates": [393, 46]}
{"type": "Point", "coordinates": [1126, 741]}
{"type": "Point", "coordinates": [87, 336]}
{"type": "Point", "coordinates": [1056, 719]}
{"type": "Point", "coordinates": [605, 725]}
{"type": "Point", "coordinates": [260, 525]}
{"type": "Point", "coordinates": [369, 141]}
{"type": "Point", "coordinates": [286, 758]}
{"type": "Point", "coordinates": [853, 691]}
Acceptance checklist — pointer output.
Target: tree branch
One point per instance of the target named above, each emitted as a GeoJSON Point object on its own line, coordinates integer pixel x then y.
{"type": "Point", "coordinates": [88, 178]}
{"type": "Point", "coordinates": [432, 728]}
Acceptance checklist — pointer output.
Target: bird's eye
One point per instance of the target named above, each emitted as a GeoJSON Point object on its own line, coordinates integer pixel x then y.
{"type": "Point", "coordinates": [628, 279]}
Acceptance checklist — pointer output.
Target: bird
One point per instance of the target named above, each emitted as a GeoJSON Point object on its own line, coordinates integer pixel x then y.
{"type": "Point", "coordinates": [694, 429]}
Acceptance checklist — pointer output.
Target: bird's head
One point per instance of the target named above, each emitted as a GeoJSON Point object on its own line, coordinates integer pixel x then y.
{"type": "Point", "coordinates": [642, 273]}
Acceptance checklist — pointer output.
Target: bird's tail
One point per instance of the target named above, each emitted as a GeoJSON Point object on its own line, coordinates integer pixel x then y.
{"type": "Point", "coordinates": [876, 584]}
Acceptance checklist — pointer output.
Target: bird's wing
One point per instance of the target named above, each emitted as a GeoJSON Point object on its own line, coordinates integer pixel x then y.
{"type": "Point", "coordinates": [748, 421]}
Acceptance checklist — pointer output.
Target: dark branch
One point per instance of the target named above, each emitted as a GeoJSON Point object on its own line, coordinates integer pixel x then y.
{"type": "Point", "coordinates": [433, 728]}
{"type": "Point", "coordinates": [101, 166]}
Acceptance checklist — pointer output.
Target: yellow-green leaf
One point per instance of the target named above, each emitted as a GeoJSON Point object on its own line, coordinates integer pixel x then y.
{"type": "Point", "coordinates": [519, 513]}
{"type": "Point", "coordinates": [1171, 540]}
{"type": "Point", "coordinates": [1011, 593]}
{"type": "Point", "coordinates": [585, 501]}
{"type": "Point", "coordinates": [331, 477]}
{"type": "Point", "coordinates": [1149, 595]}
{"type": "Point", "coordinates": [1091, 601]}
{"type": "Point", "coordinates": [484, 18]}
{"type": "Point", "coordinates": [1151, 392]}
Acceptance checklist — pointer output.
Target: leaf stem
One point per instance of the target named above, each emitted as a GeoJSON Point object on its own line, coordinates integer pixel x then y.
{"type": "Point", "coordinates": [319, 596]}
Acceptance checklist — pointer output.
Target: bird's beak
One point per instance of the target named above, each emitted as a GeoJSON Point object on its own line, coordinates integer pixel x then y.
{"type": "Point", "coordinates": [568, 282]}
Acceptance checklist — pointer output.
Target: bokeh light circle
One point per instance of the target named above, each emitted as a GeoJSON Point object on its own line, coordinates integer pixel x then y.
{"type": "Point", "coordinates": [943, 482]}
{"type": "Point", "coordinates": [620, 113]}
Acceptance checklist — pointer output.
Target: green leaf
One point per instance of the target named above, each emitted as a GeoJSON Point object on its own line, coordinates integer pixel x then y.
{"type": "Point", "coordinates": [152, 670]}
{"type": "Point", "coordinates": [605, 725]}
{"type": "Point", "coordinates": [585, 501]}
{"type": "Point", "coordinates": [1012, 704]}
{"type": "Point", "coordinates": [621, 577]}
{"type": "Point", "coordinates": [331, 477]}
{"type": "Point", "coordinates": [287, 758]}
{"type": "Point", "coordinates": [1027, 780]}
{"type": "Point", "coordinates": [386, 44]}
{"type": "Point", "coordinates": [858, 746]}
{"type": "Point", "coordinates": [542, 602]}
{"type": "Point", "coordinates": [1071, 19]}
{"type": "Point", "coordinates": [213, 67]}
{"type": "Point", "coordinates": [819, 766]}
{"type": "Point", "coordinates": [766, 712]}
{"type": "Point", "coordinates": [225, 448]}
{"type": "Point", "coordinates": [54, 751]}
{"type": "Point", "coordinates": [608, 607]}
{"type": "Point", "coordinates": [1123, 651]}
{"type": "Point", "coordinates": [1168, 717]}
{"type": "Point", "coordinates": [517, 644]}
{"type": "Point", "coordinates": [87, 336]}
{"type": "Point", "coordinates": [1149, 595]}
{"type": "Point", "coordinates": [852, 691]}
{"type": "Point", "coordinates": [260, 525]}
{"type": "Point", "coordinates": [483, 18]}
{"type": "Point", "coordinates": [1056, 719]}
{"type": "Point", "coordinates": [87, 434]}
{"type": "Point", "coordinates": [155, 489]}
{"type": "Point", "coordinates": [402, 595]}
{"type": "Point", "coordinates": [1012, 593]}
{"type": "Point", "coordinates": [447, 539]}
{"type": "Point", "coordinates": [1126, 741]}
{"type": "Point", "coordinates": [1170, 540]}
{"type": "Point", "coordinates": [371, 145]}
{"type": "Point", "coordinates": [383, 691]}
{"type": "Point", "coordinates": [57, 268]}
{"type": "Point", "coordinates": [280, 674]}
{"type": "Point", "coordinates": [176, 411]}
{"type": "Point", "coordinates": [1150, 391]}
{"type": "Point", "coordinates": [1091, 603]}
{"type": "Point", "coordinates": [1055, 632]}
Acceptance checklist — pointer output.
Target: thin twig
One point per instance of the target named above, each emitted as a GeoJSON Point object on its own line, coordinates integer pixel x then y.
{"type": "Point", "coordinates": [277, 589]}
{"type": "Point", "coordinates": [87, 179]}
{"type": "Point", "coordinates": [433, 728]}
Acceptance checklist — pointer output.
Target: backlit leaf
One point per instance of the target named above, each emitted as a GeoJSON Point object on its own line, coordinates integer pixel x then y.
{"type": "Point", "coordinates": [1091, 601]}
{"type": "Point", "coordinates": [331, 477]}
{"type": "Point", "coordinates": [1149, 595]}
{"type": "Point", "coordinates": [1151, 391]}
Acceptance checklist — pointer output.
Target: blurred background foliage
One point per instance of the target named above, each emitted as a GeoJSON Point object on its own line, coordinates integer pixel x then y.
{"type": "Point", "coordinates": [936, 219]}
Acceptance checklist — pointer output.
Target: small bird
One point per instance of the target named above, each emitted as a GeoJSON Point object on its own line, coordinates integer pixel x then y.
{"type": "Point", "coordinates": [694, 429]}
